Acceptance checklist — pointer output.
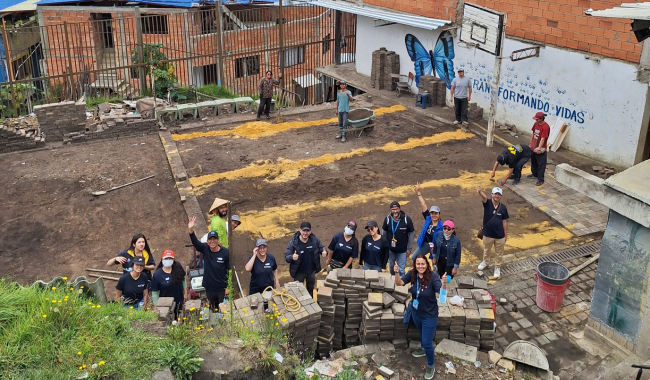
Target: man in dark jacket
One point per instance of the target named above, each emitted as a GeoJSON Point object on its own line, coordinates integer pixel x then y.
{"type": "Point", "coordinates": [302, 256]}
{"type": "Point", "coordinates": [399, 231]}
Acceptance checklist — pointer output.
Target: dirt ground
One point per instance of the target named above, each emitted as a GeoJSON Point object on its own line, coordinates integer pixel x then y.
{"type": "Point", "coordinates": [51, 225]}
{"type": "Point", "coordinates": [304, 173]}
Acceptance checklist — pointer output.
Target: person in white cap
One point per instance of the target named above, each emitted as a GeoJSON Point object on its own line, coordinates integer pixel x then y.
{"type": "Point", "coordinates": [432, 225]}
{"type": "Point", "coordinates": [263, 269]}
{"type": "Point", "coordinates": [494, 230]}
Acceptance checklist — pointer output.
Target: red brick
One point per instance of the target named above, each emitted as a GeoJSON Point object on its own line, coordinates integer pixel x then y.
{"type": "Point", "coordinates": [551, 40]}
{"type": "Point", "coordinates": [602, 41]}
{"type": "Point", "coordinates": [620, 54]}
{"type": "Point", "coordinates": [584, 3]}
{"type": "Point", "coordinates": [616, 45]}
{"type": "Point", "coordinates": [585, 29]}
{"type": "Point", "coordinates": [605, 24]}
{"type": "Point", "coordinates": [573, 44]}
{"type": "Point", "coordinates": [633, 57]}
{"type": "Point", "coordinates": [583, 46]}
{"type": "Point", "coordinates": [590, 39]}
{"type": "Point", "coordinates": [608, 52]}
{"type": "Point", "coordinates": [595, 49]}
{"type": "Point", "coordinates": [628, 47]}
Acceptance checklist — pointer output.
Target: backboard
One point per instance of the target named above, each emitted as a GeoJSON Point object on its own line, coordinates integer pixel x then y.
{"type": "Point", "coordinates": [483, 28]}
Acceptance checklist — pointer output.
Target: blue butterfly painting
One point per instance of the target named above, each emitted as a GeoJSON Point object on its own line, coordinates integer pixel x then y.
{"type": "Point", "coordinates": [441, 57]}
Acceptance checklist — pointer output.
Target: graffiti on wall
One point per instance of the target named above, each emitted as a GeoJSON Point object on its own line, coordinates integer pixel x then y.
{"type": "Point", "coordinates": [440, 58]}
{"type": "Point", "coordinates": [526, 89]}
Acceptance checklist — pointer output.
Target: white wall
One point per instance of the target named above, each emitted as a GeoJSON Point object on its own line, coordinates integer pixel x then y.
{"type": "Point", "coordinates": [371, 38]}
{"type": "Point", "coordinates": [601, 101]}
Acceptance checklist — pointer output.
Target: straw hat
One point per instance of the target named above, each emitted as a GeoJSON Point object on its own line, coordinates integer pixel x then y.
{"type": "Point", "coordinates": [217, 202]}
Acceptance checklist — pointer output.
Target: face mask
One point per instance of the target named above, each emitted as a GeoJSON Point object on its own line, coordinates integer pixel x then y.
{"type": "Point", "coordinates": [168, 263]}
{"type": "Point", "coordinates": [348, 231]}
{"type": "Point", "coordinates": [446, 236]}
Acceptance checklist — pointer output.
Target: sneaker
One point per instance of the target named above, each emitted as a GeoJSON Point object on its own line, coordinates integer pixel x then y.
{"type": "Point", "coordinates": [258, 118]}
{"type": "Point", "coordinates": [268, 117]}
{"type": "Point", "coordinates": [429, 373]}
{"type": "Point", "coordinates": [339, 135]}
{"type": "Point", "coordinates": [465, 123]}
{"type": "Point", "coordinates": [530, 176]}
{"type": "Point", "coordinates": [516, 181]}
{"type": "Point", "coordinates": [539, 183]}
{"type": "Point", "coordinates": [484, 264]}
{"type": "Point", "coordinates": [343, 139]}
{"type": "Point", "coordinates": [418, 353]}
{"type": "Point", "coordinates": [456, 122]}
{"type": "Point", "coordinates": [497, 272]}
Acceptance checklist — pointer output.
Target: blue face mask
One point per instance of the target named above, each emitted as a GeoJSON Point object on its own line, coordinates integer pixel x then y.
{"type": "Point", "coordinates": [446, 236]}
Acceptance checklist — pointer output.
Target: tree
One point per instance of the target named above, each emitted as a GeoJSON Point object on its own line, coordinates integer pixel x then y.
{"type": "Point", "coordinates": [163, 72]}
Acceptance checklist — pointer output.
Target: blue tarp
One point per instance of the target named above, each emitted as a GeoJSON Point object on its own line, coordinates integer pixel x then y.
{"type": "Point", "coordinates": [164, 3]}
{"type": "Point", "coordinates": [4, 4]}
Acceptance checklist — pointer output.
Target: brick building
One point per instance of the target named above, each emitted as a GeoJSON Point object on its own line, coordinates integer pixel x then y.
{"type": "Point", "coordinates": [591, 71]}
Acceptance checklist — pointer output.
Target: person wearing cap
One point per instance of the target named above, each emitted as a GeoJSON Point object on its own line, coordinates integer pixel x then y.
{"type": "Point", "coordinates": [265, 87]}
{"type": "Point", "coordinates": [515, 156]}
{"type": "Point", "coordinates": [169, 281]}
{"type": "Point", "coordinates": [343, 248]}
{"type": "Point", "coordinates": [132, 286]}
{"type": "Point", "coordinates": [234, 221]}
{"type": "Point", "coordinates": [139, 247]}
{"type": "Point", "coordinates": [495, 228]}
{"type": "Point", "coordinates": [216, 264]}
{"type": "Point", "coordinates": [219, 213]}
{"type": "Point", "coordinates": [538, 140]}
{"type": "Point", "coordinates": [461, 94]}
{"type": "Point", "coordinates": [432, 225]}
{"type": "Point", "coordinates": [447, 249]}
{"type": "Point", "coordinates": [302, 255]}
{"type": "Point", "coordinates": [343, 98]}
{"type": "Point", "coordinates": [399, 231]}
{"type": "Point", "coordinates": [263, 269]}
{"type": "Point", "coordinates": [374, 249]}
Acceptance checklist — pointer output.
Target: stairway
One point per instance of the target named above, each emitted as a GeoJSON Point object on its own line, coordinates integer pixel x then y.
{"type": "Point", "coordinates": [108, 79]}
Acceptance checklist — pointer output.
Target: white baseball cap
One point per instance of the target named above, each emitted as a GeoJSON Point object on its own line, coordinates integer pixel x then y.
{"type": "Point", "coordinates": [497, 190]}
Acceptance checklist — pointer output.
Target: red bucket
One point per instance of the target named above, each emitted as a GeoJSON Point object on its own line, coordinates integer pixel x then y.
{"type": "Point", "coordinates": [550, 296]}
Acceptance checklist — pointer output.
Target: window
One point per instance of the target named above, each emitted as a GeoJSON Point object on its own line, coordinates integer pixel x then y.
{"type": "Point", "coordinates": [246, 66]}
{"type": "Point", "coordinates": [210, 74]}
{"type": "Point", "coordinates": [293, 56]}
{"type": "Point", "coordinates": [208, 21]}
{"type": "Point", "coordinates": [22, 67]}
{"type": "Point", "coordinates": [154, 24]}
{"type": "Point", "coordinates": [326, 43]}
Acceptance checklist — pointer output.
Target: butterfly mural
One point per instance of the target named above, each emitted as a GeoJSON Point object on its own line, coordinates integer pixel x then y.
{"type": "Point", "coordinates": [441, 57]}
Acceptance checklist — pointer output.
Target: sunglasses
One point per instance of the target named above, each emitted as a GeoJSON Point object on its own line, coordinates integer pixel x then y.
{"type": "Point", "coordinates": [447, 228]}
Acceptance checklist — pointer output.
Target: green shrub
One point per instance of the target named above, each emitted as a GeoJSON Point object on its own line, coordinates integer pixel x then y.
{"type": "Point", "coordinates": [183, 360]}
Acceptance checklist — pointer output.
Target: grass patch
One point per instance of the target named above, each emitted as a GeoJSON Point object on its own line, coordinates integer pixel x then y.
{"type": "Point", "coordinates": [217, 91]}
{"type": "Point", "coordinates": [92, 102]}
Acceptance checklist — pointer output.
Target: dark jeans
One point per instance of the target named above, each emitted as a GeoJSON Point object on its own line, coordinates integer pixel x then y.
{"type": "Point", "coordinates": [442, 267]}
{"type": "Point", "coordinates": [311, 281]}
{"type": "Point", "coordinates": [427, 327]}
{"type": "Point", "coordinates": [265, 106]}
{"type": "Point", "coordinates": [520, 165]}
{"type": "Point", "coordinates": [538, 165]}
{"type": "Point", "coordinates": [460, 105]}
{"type": "Point", "coordinates": [215, 297]}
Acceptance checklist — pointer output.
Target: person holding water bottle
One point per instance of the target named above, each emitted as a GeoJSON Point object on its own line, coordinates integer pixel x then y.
{"type": "Point", "coordinates": [424, 286]}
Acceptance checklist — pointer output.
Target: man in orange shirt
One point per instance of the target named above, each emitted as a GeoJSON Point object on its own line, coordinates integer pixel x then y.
{"type": "Point", "coordinates": [538, 140]}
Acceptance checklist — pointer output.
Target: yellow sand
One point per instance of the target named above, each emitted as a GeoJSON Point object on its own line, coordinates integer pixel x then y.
{"type": "Point", "coordinates": [257, 129]}
{"type": "Point", "coordinates": [285, 170]}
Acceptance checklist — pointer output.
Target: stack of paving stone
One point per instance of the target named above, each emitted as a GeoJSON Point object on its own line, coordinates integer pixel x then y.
{"type": "Point", "coordinates": [371, 322]}
{"type": "Point", "coordinates": [58, 119]}
{"type": "Point", "coordinates": [429, 83]}
{"type": "Point", "coordinates": [377, 68]}
{"type": "Point", "coordinates": [482, 298]}
{"type": "Point", "coordinates": [472, 327]}
{"type": "Point", "coordinates": [487, 329]}
{"type": "Point", "coordinates": [326, 331]}
{"type": "Point", "coordinates": [457, 324]}
{"type": "Point", "coordinates": [441, 100]}
{"type": "Point", "coordinates": [444, 321]}
{"type": "Point", "coordinates": [391, 66]}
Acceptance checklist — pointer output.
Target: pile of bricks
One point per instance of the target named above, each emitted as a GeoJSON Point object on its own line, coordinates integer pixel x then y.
{"type": "Point", "coordinates": [436, 87]}
{"type": "Point", "coordinates": [17, 135]}
{"type": "Point", "coordinates": [474, 112]}
{"type": "Point", "coordinates": [384, 63]}
{"type": "Point", "coordinates": [326, 330]}
{"type": "Point", "coordinates": [59, 119]}
{"type": "Point", "coordinates": [113, 128]}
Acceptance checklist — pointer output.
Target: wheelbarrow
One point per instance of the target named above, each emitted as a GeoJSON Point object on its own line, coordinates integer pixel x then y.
{"type": "Point", "coordinates": [362, 125]}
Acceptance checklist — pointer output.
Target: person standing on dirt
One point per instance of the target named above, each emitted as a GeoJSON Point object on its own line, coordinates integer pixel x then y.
{"type": "Point", "coordinates": [432, 225]}
{"type": "Point", "coordinates": [343, 248]}
{"type": "Point", "coordinates": [216, 264]}
{"type": "Point", "coordinates": [169, 281]}
{"type": "Point", "coordinates": [139, 247]}
{"type": "Point", "coordinates": [399, 231]}
{"type": "Point", "coordinates": [538, 140]}
{"type": "Point", "coordinates": [234, 221]}
{"type": "Point", "coordinates": [461, 94]}
{"type": "Point", "coordinates": [265, 88]}
{"type": "Point", "coordinates": [424, 306]}
{"type": "Point", "coordinates": [495, 229]}
{"type": "Point", "coordinates": [132, 286]}
{"type": "Point", "coordinates": [219, 212]}
{"type": "Point", "coordinates": [516, 157]}
{"type": "Point", "coordinates": [302, 255]}
{"type": "Point", "coordinates": [263, 269]}
{"type": "Point", "coordinates": [374, 249]}
{"type": "Point", "coordinates": [343, 98]}
{"type": "Point", "coordinates": [447, 249]}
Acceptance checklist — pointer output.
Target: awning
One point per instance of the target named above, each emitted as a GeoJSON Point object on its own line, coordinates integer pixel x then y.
{"type": "Point", "coordinates": [18, 6]}
{"type": "Point", "coordinates": [638, 11]}
{"type": "Point", "coordinates": [307, 80]}
{"type": "Point", "coordinates": [377, 13]}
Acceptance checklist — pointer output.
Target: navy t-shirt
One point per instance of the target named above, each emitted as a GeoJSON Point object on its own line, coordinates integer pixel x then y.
{"type": "Point", "coordinates": [342, 249]}
{"type": "Point", "coordinates": [374, 252]}
{"type": "Point", "coordinates": [215, 265]}
{"type": "Point", "coordinates": [399, 230]}
{"type": "Point", "coordinates": [514, 153]}
{"type": "Point", "coordinates": [306, 254]}
{"type": "Point", "coordinates": [428, 302]}
{"type": "Point", "coordinates": [494, 229]}
{"type": "Point", "coordinates": [262, 274]}
{"type": "Point", "coordinates": [133, 290]}
{"type": "Point", "coordinates": [162, 283]}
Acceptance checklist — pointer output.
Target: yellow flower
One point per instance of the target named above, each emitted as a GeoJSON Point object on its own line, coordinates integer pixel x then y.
{"type": "Point", "coordinates": [93, 306]}
{"type": "Point", "coordinates": [63, 330]}
{"type": "Point", "coordinates": [53, 301]}
{"type": "Point", "coordinates": [276, 323]}
{"type": "Point", "coordinates": [81, 367]}
{"type": "Point", "coordinates": [47, 299]}
{"type": "Point", "coordinates": [184, 318]}
{"type": "Point", "coordinates": [71, 288]}
{"type": "Point", "coordinates": [65, 278]}
{"type": "Point", "coordinates": [244, 309]}
{"type": "Point", "coordinates": [101, 363]}
{"type": "Point", "coordinates": [192, 309]}
{"type": "Point", "coordinates": [98, 306]}
{"type": "Point", "coordinates": [54, 288]}
{"type": "Point", "coordinates": [200, 319]}
{"type": "Point", "coordinates": [81, 287]}
{"type": "Point", "coordinates": [245, 315]}
{"type": "Point", "coordinates": [130, 313]}
{"type": "Point", "coordinates": [79, 353]}
{"type": "Point", "coordinates": [84, 366]}
{"type": "Point", "coordinates": [90, 303]}
{"type": "Point", "coordinates": [130, 307]}
{"type": "Point", "coordinates": [44, 315]}
{"type": "Point", "coordinates": [252, 321]}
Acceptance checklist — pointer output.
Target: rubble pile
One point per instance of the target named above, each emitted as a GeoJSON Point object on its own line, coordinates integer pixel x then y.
{"type": "Point", "coordinates": [21, 133]}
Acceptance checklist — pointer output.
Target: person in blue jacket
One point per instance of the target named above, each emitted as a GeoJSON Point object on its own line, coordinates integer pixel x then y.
{"type": "Point", "coordinates": [302, 255]}
{"type": "Point", "coordinates": [432, 225]}
{"type": "Point", "coordinates": [446, 254]}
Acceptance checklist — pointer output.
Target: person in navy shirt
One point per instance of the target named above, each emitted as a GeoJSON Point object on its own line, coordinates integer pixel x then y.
{"type": "Point", "coordinates": [263, 269]}
{"type": "Point", "coordinates": [132, 287]}
{"type": "Point", "coordinates": [495, 229]}
{"type": "Point", "coordinates": [424, 286]}
{"type": "Point", "coordinates": [302, 254]}
{"type": "Point", "coordinates": [374, 249]}
{"type": "Point", "coordinates": [169, 281]}
{"type": "Point", "coordinates": [343, 248]}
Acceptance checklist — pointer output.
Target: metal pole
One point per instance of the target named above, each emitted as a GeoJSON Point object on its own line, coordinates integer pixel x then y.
{"type": "Point", "coordinates": [67, 43]}
{"type": "Point", "coordinates": [229, 232]}
{"type": "Point", "coordinates": [9, 67]}
{"type": "Point", "coordinates": [337, 37]}
{"type": "Point", "coordinates": [221, 81]}
{"type": "Point", "coordinates": [281, 18]}
{"type": "Point", "coordinates": [138, 32]}
{"type": "Point", "coordinates": [494, 95]}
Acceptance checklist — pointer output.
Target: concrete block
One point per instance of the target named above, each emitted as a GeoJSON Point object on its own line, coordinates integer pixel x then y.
{"type": "Point", "coordinates": [458, 350]}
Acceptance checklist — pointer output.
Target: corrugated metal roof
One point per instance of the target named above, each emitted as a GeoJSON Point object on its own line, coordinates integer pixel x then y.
{"type": "Point", "coordinates": [9, 6]}
{"type": "Point", "coordinates": [165, 3]}
{"type": "Point", "coordinates": [638, 11]}
{"type": "Point", "coordinates": [307, 80]}
{"type": "Point", "coordinates": [384, 14]}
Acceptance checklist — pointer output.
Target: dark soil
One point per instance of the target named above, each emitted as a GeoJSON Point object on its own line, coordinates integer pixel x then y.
{"type": "Point", "coordinates": [359, 114]}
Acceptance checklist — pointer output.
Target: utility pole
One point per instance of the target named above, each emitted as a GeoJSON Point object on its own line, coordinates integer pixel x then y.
{"type": "Point", "coordinates": [222, 80]}
{"type": "Point", "coordinates": [281, 20]}
{"type": "Point", "coordinates": [494, 94]}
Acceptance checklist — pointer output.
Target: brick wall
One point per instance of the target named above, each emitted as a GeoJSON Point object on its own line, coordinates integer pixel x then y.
{"type": "Point", "coordinates": [555, 22]}
{"type": "Point", "coordinates": [115, 128]}
{"type": "Point", "coordinates": [12, 139]}
{"type": "Point", "coordinates": [59, 119]}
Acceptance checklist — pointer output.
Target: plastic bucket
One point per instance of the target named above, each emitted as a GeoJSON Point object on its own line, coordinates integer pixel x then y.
{"type": "Point", "coordinates": [552, 281]}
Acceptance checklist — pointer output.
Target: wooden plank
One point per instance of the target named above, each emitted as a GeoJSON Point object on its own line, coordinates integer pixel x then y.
{"type": "Point", "coordinates": [555, 138]}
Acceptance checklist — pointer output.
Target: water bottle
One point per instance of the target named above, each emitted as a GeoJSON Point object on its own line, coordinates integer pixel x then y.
{"type": "Point", "coordinates": [443, 292]}
{"type": "Point", "coordinates": [141, 305]}
{"type": "Point", "coordinates": [266, 305]}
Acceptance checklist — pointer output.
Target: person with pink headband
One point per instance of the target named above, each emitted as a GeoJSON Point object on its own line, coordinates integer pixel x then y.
{"type": "Point", "coordinates": [446, 250]}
